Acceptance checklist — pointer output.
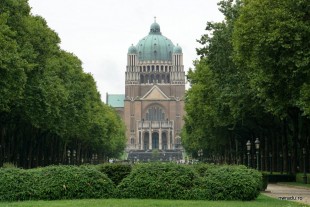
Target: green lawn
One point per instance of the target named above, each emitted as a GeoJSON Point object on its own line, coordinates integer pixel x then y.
{"type": "Point", "coordinates": [260, 201]}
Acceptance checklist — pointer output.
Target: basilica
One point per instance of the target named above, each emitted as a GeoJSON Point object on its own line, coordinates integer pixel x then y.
{"type": "Point", "coordinates": [153, 105]}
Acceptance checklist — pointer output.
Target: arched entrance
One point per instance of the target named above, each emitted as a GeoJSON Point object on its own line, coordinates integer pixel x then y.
{"type": "Point", "coordinates": [146, 141]}
{"type": "Point", "coordinates": [164, 140]}
{"type": "Point", "coordinates": [155, 140]}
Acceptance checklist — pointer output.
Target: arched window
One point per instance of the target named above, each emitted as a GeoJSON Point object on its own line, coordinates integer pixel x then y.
{"type": "Point", "coordinates": [163, 79]}
{"type": "Point", "coordinates": [141, 78]}
{"type": "Point", "coordinates": [146, 80]}
{"type": "Point", "coordinates": [155, 113]}
{"type": "Point", "coordinates": [158, 78]}
{"type": "Point", "coordinates": [132, 140]}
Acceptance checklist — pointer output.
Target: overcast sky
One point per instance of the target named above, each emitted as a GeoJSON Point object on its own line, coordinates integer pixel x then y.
{"type": "Point", "coordinates": [100, 32]}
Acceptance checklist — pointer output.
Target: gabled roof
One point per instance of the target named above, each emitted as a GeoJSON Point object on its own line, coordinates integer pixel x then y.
{"type": "Point", "coordinates": [155, 94]}
{"type": "Point", "coordinates": [115, 100]}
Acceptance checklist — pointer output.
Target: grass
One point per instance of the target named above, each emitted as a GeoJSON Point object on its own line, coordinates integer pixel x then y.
{"type": "Point", "coordinates": [262, 201]}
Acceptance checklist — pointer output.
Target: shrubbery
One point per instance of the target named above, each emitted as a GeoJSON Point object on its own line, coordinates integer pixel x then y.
{"type": "Point", "coordinates": [116, 172]}
{"type": "Point", "coordinates": [54, 182]}
{"type": "Point", "coordinates": [16, 184]}
{"type": "Point", "coordinates": [204, 182]}
{"type": "Point", "coordinates": [230, 182]}
{"type": "Point", "coordinates": [299, 178]}
{"type": "Point", "coordinates": [159, 181]}
{"type": "Point", "coordinates": [149, 180]}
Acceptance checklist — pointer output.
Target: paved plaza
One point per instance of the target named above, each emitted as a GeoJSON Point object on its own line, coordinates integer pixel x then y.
{"type": "Point", "coordinates": [284, 192]}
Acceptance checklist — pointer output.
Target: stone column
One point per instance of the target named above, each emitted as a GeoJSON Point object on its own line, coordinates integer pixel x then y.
{"type": "Point", "coordinates": [168, 139]}
{"type": "Point", "coordinates": [160, 140]}
{"type": "Point", "coordinates": [142, 139]}
{"type": "Point", "coordinates": [150, 139]}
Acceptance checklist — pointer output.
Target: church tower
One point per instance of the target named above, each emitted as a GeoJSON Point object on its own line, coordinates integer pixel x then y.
{"type": "Point", "coordinates": [154, 93]}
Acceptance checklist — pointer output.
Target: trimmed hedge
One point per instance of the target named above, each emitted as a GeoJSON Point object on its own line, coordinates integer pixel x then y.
{"type": "Point", "coordinates": [54, 182]}
{"type": "Point", "coordinates": [231, 183]}
{"type": "Point", "coordinates": [204, 182]}
{"type": "Point", "coordinates": [145, 181]}
{"type": "Point", "coordinates": [16, 184]}
{"type": "Point", "coordinates": [299, 178]}
{"type": "Point", "coordinates": [115, 171]}
{"type": "Point", "coordinates": [159, 181]}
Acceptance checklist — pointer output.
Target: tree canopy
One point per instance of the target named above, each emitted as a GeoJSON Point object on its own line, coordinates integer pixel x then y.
{"type": "Point", "coordinates": [48, 104]}
{"type": "Point", "coordinates": [252, 81]}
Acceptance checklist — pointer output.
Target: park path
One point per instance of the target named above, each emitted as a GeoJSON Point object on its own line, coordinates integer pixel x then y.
{"type": "Point", "coordinates": [293, 193]}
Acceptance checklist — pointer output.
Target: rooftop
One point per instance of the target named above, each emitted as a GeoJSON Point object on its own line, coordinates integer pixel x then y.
{"type": "Point", "coordinates": [115, 100]}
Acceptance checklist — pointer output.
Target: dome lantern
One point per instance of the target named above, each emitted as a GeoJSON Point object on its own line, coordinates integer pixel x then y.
{"type": "Point", "coordinates": [177, 49]}
{"type": "Point", "coordinates": [132, 49]}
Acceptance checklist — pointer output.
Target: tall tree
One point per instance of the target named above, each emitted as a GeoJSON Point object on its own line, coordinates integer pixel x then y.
{"type": "Point", "coordinates": [271, 42]}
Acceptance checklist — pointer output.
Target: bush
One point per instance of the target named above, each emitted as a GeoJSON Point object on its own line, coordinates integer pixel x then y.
{"type": "Point", "coordinates": [231, 183]}
{"type": "Point", "coordinates": [151, 180]}
{"type": "Point", "coordinates": [8, 165]}
{"type": "Point", "coordinates": [299, 178]}
{"type": "Point", "coordinates": [68, 182]}
{"type": "Point", "coordinates": [265, 181]}
{"type": "Point", "coordinates": [54, 182]}
{"type": "Point", "coordinates": [116, 172]}
{"type": "Point", "coordinates": [16, 184]}
{"type": "Point", "coordinates": [159, 181]}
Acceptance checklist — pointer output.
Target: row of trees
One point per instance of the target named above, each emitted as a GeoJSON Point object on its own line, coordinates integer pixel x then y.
{"type": "Point", "coordinates": [48, 105]}
{"type": "Point", "coordinates": [252, 81]}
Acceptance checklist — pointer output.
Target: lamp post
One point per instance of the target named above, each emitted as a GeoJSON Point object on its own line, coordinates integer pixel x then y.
{"type": "Point", "coordinates": [96, 158]}
{"type": "Point", "coordinates": [281, 162]}
{"type": "Point", "coordinates": [68, 154]}
{"type": "Point", "coordinates": [248, 147]}
{"type": "Point", "coordinates": [93, 159]}
{"type": "Point", "coordinates": [200, 153]}
{"type": "Point", "coordinates": [304, 177]}
{"type": "Point", "coordinates": [74, 157]}
{"type": "Point", "coordinates": [270, 162]}
{"type": "Point", "coordinates": [257, 143]}
{"type": "Point", "coordinates": [289, 163]}
{"type": "Point", "coordinates": [261, 162]}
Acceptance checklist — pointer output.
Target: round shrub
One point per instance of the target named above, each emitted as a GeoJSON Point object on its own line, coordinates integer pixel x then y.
{"type": "Point", "coordinates": [231, 183]}
{"type": "Point", "coordinates": [54, 182]}
{"type": "Point", "coordinates": [115, 171]}
{"type": "Point", "coordinates": [72, 182]}
{"type": "Point", "coordinates": [159, 181]}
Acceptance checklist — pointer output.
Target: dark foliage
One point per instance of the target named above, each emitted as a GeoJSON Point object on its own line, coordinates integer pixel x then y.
{"type": "Point", "coordinates": [116, 172]}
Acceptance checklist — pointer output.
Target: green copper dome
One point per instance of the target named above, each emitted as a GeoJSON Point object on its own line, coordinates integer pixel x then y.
{"type": "Point", "coordinates": [155, 28]}
{"type": "Point", "coordinates": [132, 50]}
{"type": "Point", "coordinates": [155, 46]}
{"type": "Point", "coordinates": [177, 49]}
